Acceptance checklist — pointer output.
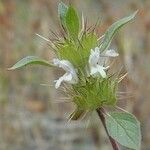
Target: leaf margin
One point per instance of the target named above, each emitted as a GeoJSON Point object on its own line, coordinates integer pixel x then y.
{"type": "Point", "coordinates": [72, 22]}
{"type": "Point", "coordinates": [136, 146]}
{"type": "Point", "coordinates": [28, 60]}
{"type": "Point", "coordinates": [113, 29]}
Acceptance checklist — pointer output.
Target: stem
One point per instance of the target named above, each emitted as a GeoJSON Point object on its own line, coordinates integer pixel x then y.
{"type": "Point", "coordinates": [100, 112]}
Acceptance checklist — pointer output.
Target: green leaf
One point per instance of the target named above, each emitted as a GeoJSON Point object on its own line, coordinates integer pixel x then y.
{"type": "Point", "coordinates": [30, 60]}
{"type": "Point", "coordinates": [72, 22]}
{"type": "Point", "coordinates": [113, 29]}
{"type": "Point", "coordinates": [69, 51]}
{"type": "Point", "coordinates": [125, 129]}
{"type": "Point", "coordinates": [62, 11]}
{"type": "Point", "coordinates": [88, 42]}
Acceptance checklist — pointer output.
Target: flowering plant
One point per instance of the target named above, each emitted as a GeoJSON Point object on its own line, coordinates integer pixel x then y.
{"type": "Point", "coordinates": [86, 60]}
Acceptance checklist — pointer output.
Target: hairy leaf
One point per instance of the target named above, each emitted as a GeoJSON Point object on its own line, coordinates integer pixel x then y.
{"type": "Point", "coordinates": [125, 129]}
{"type": "Point", "coordinates": [62, 11]}
{"type": "Point", "coordinates": [113, 29]}
{"type": "Point", "coordinates": [30, 60]}
{"type": "Point", "coordinates": [72, 22]}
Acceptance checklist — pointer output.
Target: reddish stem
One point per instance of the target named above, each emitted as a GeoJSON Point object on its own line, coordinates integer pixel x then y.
{"type": "Point", "coordinates": [100, 112]}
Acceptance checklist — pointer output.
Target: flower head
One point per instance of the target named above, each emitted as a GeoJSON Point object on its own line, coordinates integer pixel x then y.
{"type": "Point", "coordinates": [98, 59]}
{"type": "Point", "coordinates": [70, 76]}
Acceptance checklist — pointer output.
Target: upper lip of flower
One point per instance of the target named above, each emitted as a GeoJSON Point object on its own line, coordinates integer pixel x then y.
{"type": "Point", "coordinates": [70, 76]}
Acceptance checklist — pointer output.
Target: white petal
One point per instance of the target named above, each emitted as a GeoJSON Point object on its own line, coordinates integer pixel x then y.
{"type": "Point", "coordinates": [102, 61]}
{"type": "Point", "coordinates": [97, 50]}
{"type": "Point", "coordinates": [56, 62]}
{"type": "Point", "coordinates": [70, 76]}
{"type": "Point", "coordinates": [64, 64]}
{"type": "Point", "coordinates": [58, 82]}
{"type": "Point", "coordinates": [67, 77]}
{"type": "Point", "coordinates": [94, 57]}
{"type": "Point", "coordinates": [111, 53]}
{"type": "Point", "coordinates": [101, 71]}
{"type": "Point", "coordinates": [94, 70]}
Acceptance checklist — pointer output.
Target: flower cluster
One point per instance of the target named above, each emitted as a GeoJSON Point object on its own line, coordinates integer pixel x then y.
{"type": "Point", "coordinates": [85, 59]}
{"type": "Point", "coordinates": [96, 64]}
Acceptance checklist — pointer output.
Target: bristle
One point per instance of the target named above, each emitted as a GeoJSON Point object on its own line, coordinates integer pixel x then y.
{"type": "Point", "coordinates": [121, 78]}
{"type": "Point", "coordinates": [121, 109]}
{"type": "Point", "coordinates": [101, 38]}
{"type": "Point", "coordinates": [54, 33]}
{"type": "Point", "coordinates": [42, 37]}
{"type": "Point", "coordinates": [96, 24]}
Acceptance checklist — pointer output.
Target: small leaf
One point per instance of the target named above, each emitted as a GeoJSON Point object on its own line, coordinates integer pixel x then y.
{"type": "Point", "coordinates": [30, 60]}
{"type": "Point", "coordinates": [125, 129]}
{"type": "Point", "coordinates": [113, 29]}
{"type": "Point", "coordinates": [62, 11]}
{"type": "Point", "coordinates": [72, 22]}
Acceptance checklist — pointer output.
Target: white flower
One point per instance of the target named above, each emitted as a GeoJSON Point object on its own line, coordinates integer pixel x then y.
{"type": "Point", "coordinates": [97, 61]}
{"type": "Point", "coordinates": [70, 76]}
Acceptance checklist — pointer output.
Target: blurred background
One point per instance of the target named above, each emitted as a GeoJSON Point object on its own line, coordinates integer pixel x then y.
{"type": "Point", "coordinates": [33, 116]}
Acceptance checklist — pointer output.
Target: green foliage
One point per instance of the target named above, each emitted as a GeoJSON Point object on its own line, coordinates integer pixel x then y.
{"type": "Point", "coordinates": [125, 129]}
{"type": "Point", "coordinates": [30, 60]}
{"type": "Point", "coordinates": [69, 51]}
{"type": "Point", "coordinates": [78, 53]}
{"type": "Point", "coordinates": [88, 42]}
{"type": "Point", "coordinates": [95, 93]}
{"type": "Point", "coordinates": [72, 23]}
{"type": "Point", "coordinates": [62, 11]}
{"type": "Point", "coordinates": [90, 93]}
{"type": "Point", "coordinates": [113, 29]}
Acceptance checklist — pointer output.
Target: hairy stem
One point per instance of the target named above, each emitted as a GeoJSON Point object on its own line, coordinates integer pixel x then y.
{"type": "Point", "coordinates": [100, 112]}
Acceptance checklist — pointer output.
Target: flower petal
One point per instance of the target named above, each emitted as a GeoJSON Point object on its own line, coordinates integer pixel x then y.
{"type": "Point", "coordinates": [58, 82]}
{"type": "Point", "coordinates": [94, 71]}
{"type": "Point", "coordinates": [64, 64]}
{"type": "Point", "coordinates": [70, 76]}
{"type": "Point", "coordinates": [66, 77]}
{"type": "Point", "coordinates": [111, 53]}
{"type": "Point", "coordinates": [101, 71]}
{"type": "Point", "coordinates": [94, 57]}
{"type": "Point", "coordinates": [98, 70]}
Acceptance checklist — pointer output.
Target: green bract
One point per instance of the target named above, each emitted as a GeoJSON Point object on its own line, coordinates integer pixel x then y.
{"type": "Point", "coordinates": [72, 23]}
{"type": "Point", "coordinates": [78, 53]}
{"type": "Point", "coordinates": [95, 93]}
